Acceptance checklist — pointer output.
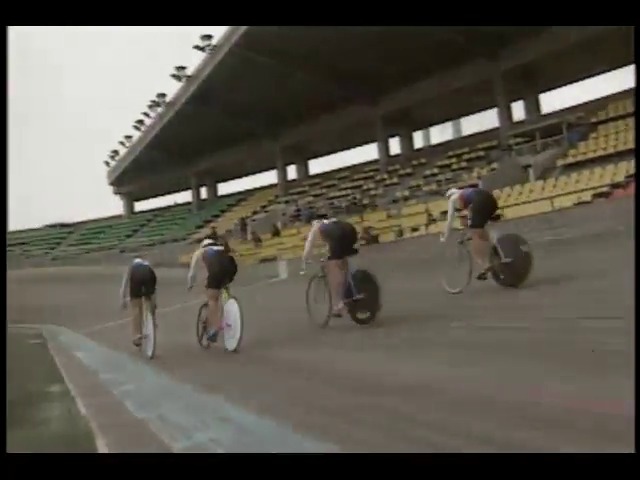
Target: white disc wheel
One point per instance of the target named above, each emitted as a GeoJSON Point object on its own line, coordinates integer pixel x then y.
{"type": "Point", "coordinates": [148, 345]}
{"type": "Point", "coordinates": [232, 321]}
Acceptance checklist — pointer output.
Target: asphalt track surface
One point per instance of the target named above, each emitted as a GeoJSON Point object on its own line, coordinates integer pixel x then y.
{"type": "Point", "coordinates": [548, 367]}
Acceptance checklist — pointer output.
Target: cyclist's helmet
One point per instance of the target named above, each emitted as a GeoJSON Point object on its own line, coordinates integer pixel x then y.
{"type": "Point", "coordinates": [452, 191]}
{"type": "Point", "coordinates": [206, 242]}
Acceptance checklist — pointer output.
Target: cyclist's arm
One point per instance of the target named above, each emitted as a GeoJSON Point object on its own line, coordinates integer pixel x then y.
{"type": "Point", "coordinates": [195, 258]}
{"type": "Point", "coordinates": [125, 284]}
{"type": "Point", "coordinates": [450, 215]}
{"type": "Point", "coordinates": [313, 233]}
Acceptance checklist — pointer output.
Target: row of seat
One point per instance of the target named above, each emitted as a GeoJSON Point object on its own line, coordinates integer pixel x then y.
{"type": "Point", "coordinates": [229, 219]}
{"type": "Point", "coordinates": [514, 202]}
{"type": "Point", "coordinates": [588, 178]}
{"type": "Point", "coordinates": [34, 243]}
{"type": "Point", "coordinates": [142, 229]}
{"type": "Point", "coordinates": [614, 109]}
{"type": "Point", "coordinates": [610, 138]}
{"type": "Point", "coordinates": [403, 184]}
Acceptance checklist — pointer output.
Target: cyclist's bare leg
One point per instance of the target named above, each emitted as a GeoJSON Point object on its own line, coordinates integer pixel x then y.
{"type": "Point", "coordinates": [213, 312]}
{"type": "Point", "coordinates": [136, 317]}
{"type": "Point", "coordinates": [337, 276]}
{"type": "Point", "coordinates": [480, 247]}
{"type": "Point", "coordinates": [153, 305]}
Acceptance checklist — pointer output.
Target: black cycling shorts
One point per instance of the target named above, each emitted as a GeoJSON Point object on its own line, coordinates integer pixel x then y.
{"type": "Point", "coordinates": [341, 237]}
{"type": "Point", "coordinates": [221, 270]}
{"type": "Point", "coordinates": [142, 281]}
{"type": "Point", "coordinates": [482, 208]}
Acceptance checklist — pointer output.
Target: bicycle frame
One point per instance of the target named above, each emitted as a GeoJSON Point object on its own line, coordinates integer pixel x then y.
{"type": "Point", "coordinates": [349, 275]}
{"type": "Point", "coordinates": [465, 237]}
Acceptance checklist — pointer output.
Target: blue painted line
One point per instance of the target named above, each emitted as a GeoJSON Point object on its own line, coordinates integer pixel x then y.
{"type": "Point", "coordinates": [188, 420]}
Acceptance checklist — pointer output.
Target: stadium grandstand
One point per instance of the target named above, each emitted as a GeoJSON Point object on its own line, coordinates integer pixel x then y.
{"type": "Point", "coordinates": [541, 162]}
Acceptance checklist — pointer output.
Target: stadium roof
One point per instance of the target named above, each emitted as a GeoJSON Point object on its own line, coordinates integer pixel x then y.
{"type": "Point", "coordinates": [321, 89]}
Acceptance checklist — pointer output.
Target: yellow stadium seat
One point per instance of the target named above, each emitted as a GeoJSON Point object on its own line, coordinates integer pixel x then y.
{"type": "Point", "coordinates": [437, 227]}
{"type": "Point", "coordinates": [386, 237]}
{"type": "Point", "coordinates": [413, 220]}
{"type": "Point", "coordinates": [419, 208]}
{"type": "Point", "coordinates": [564, 201]}
{"type": "Point", "coordinates": [375, 216]}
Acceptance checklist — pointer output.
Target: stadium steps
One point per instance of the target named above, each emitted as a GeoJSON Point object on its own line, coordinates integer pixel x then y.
{"type": "Point", "coordinates": [101, 235]}
{"type": "Point", "coordinates": [253, 203]}
{"type": "Point", "coordinates": [177, 223]}
{"type": "Point", "coordinates": [37, 242]}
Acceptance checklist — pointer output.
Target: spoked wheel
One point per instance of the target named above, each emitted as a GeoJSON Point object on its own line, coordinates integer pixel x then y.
{"type": "Point", "coordinates": [232, 321]}
{"type": "Point", "coordinates": [148, 344]}
{"type": "Point", "coordinates": [459, 267]}
{"type": "Point", "coordinates": [201, 326]}
{"type": "Point", "coordinates": [318, 298]}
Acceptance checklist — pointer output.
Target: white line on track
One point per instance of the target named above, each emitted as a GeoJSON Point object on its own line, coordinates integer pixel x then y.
{"type": "Point", "coordinates": [101, 444]}
{"type": "Point", "coordinates": [124, 320]}
{"type": "Point", "coordinates": [164, 309]}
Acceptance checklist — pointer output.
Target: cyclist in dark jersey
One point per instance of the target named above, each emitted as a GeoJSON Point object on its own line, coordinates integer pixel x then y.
{"type": "Point", "coordinates": [221, 270]}
{"type": "Point", "coordinates": [139, 282]}
{"type": "Point", "coordinates": [481, 205]}
{"type": "Point", "coordinates": [341, 238]}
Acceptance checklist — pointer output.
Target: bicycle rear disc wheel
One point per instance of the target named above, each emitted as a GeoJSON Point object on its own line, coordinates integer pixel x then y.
{"type": "Point", "coordinates": [458, 269]}
{"type": "Point", "coordinates": [232, 321]}
{"type": "Point", "coordinates": [318, 299]}
{"type": "Point", "coordinates": [201, 326]}
{"type": "Point", "coordinates": [365, 310]}
{"type": "Point", "coordinates": [148, 345]}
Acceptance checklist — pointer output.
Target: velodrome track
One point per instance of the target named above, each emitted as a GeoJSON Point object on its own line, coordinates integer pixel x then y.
{"type": "Point", "coordinates": [548, 367]}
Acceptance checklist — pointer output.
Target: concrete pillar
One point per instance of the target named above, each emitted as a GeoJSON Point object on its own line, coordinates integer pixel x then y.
{"type": "Point", "coordinates": [456, 127]}
{"type": "Point", "coordinates": [406, 143]}
{"type": "Point", "coordinates": [383, 145]}
{"type": "Point", "coordinates": [302, 169]}
{"type": "Point", "coordinates": [531, 106]}
{"type": "Point", "coordinates": [281, 169]}
{"type": "Point", "coordinates": [426, 137]}
{"type": "Point", "coordinates": [195, 194]}
{"type": "Point", "coordinates": [127, 206]}
{"type": "Point", "coordinates": [212, 190]}
{"type": "Point", "coordinates": [505, 119]}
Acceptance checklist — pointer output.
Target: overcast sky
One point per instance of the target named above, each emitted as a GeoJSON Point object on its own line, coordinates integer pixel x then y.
{"type": "Point", "coordinates": [75, 91]}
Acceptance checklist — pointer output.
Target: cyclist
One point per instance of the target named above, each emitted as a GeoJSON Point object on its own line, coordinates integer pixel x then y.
{"type": "Point", "coordinates": [140, 280]}
{"type": "Point", "coordinates": [481, 205]}
{"type": "Point", "coordinates": [221, 270]}
{"type": "Point", "coordinates": [341, 238]}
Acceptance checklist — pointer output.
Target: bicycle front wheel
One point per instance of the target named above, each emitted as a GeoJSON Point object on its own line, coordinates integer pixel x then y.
{"type": "Point", "coordinates": [318, 298]}
{"type": "Point", "coordinates": [148, 345]}
{"type": "Point", "coordinates": [201, 326]}
{"type": "Point", "coordinates": [458, 269]}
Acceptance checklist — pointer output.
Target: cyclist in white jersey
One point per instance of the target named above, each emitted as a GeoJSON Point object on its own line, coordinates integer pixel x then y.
{"type": "Point", "coordinates": [221, 270]}
{"type": "Point", "coordinates": [139, 282]}
{"type": "Point", "coordinates": [481, 206]}
{"type": "Point", "coordinates": [341, 238]}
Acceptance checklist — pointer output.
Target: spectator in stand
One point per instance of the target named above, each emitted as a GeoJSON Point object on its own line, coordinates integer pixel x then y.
{"type": "Point", "coordinates": [369, 237]}
{"type": "Point", "coordinates": [255, 238]}
{"type": "Point", "coordinates": [243, 228]}
{"type": "Point", "coordinates": [275, 231]}
{"type": "Point", "coordinates": [307, 214]}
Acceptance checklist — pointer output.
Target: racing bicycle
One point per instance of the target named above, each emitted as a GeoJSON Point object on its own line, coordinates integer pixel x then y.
{"type": "Point", "coordinates": [231, 322]}
{"type": "Point", "coordinates": [361, 297]}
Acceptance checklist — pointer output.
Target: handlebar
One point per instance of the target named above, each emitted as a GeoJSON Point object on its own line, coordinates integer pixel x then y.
{"type": "Point", "coordinates": [321, 262]}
